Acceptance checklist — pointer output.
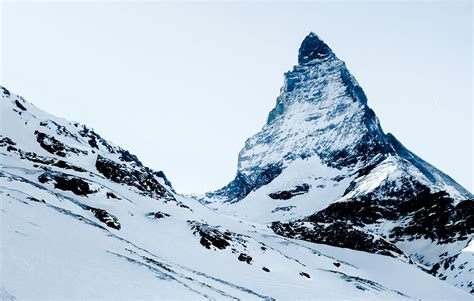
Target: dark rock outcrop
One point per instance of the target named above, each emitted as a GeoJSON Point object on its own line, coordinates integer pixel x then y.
{"type": "Point", "coordinates": [288, 194]}
{"type": "Point", "coordinates": [211, 236]}
{"type": "Point", "coordinates": [245, 258]}
{"type": "Point", "coordinates": [105, 217]}
{"type": "Point", "coordinates": [140, 178]}
{"type": "Point", "coordinates": [54, 146]}
{"type": "Point", "coordinates": [66, 182]}
{"type": "Point", "coordinates": [312, 48]}
{"type": "Point", "coordinates": [157, 215]}
{"type": "Point", "coordinates": [338, 234]}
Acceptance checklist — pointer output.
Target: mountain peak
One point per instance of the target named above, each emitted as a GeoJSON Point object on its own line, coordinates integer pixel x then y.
{"type": "Point", "coordinates": [312, 48]}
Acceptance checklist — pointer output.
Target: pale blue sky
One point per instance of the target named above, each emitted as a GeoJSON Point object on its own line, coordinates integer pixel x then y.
{"type": "Point", "coordinates": [183, 85]}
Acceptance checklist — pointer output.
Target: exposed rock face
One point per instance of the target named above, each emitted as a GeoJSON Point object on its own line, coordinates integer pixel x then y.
{"type": "Point", "coordinates": [211, 237]}
{"type": "Point", "coordinates": [67, 183]}
{"type": "Point", "coordinates": [338, 234]}
{"type": "Point", "coordinates": [428, 216]}
{"type": "Point", "coordinates": [105, 217]}
{"type": "Point", "coordinates": [312, 48]}
{"type": "Point", "coordinates": [245, 258]}
{"type": "Point", "coordinates": [142, 178]}
{"type": "Point", "coordinates": [55, 146]}
{"type": "Point", "coordinates": [288, 194]}
{"type": "Point", "coordinates": [157, 215]}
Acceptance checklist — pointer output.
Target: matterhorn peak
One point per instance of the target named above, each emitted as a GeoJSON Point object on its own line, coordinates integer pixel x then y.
{"type": "Point", "coordinates": [322, 115]}
{"type": "Point", "coordinates": [312, 48]}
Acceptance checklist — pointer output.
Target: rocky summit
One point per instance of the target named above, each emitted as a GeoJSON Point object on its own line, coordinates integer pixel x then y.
{"type": "Point", "coordinates": [324, 205]}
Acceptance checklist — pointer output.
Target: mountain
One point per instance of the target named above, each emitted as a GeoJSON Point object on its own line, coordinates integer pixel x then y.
{"type": "Point", "coordinates": [84, 218]}
{"type": "Point", "coordinates": [323, 170]}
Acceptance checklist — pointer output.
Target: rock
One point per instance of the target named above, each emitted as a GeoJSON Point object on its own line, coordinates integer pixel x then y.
{"type": "Point", "coordinates": [111, 195]}
{"type": "Point", "coordinates": [288, 194]}
{"type": "Point", "coordinates": [105, 217]}
{"type": "Point", "coordinates": [304, 274]}
{"type": "Point", "coordinates": [338, 234]}
{"type": "Point", "coordinates": [54, 146]}
{"type": "Point", "coordinates": [5, 91]}
{"type": "Point", "coordinates": [19, 105]}
{"type": "Point", "coordinates": [140, 178]}
{"type": "Point", "coordinates": [211, 236]}
{"type": "Point", "coordinates": [245, 258]}
{"type": "Point", "coordinates": [157, 215]}
{"type": "Point", "coordinates": [66, 182]}
{"type": "Point", "coordinates": [312, 48]}
{"type": "Point", "coordinates": [35, 199]}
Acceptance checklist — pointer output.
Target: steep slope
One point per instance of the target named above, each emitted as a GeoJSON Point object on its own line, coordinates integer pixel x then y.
{"type": "Point", "coordinates": [322, 155]}
{"type": "Point", "coordinates": [83, 218]}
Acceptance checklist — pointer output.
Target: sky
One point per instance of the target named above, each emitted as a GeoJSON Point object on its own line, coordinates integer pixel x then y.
{"type": "Point", "coordinates": [183, 85]}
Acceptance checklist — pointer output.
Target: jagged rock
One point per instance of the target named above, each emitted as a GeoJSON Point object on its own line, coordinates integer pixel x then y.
{"type": "Point", "coordinates": [338, 234]}
{"type": "Point", "coordinates": [5, 91]}
{"type": "Point", "coordinates": [36, 200]}
{"type": "Point", "coordinates": [288, 194]}
{"type": "Point", "coordinates": [211, 236]}
{"type": "Point", "coordinates": [304, 274]}
{"type": "Point", "coordinates": [312, 48]}
{"type": "Point", "coordinates": [54, 146]}
{"type": "Point", "coordinates": [111, 195]}
{"type": "Point", "coordinates": [161, 174]}
{"type": "Point", "coordinates": [142, 178]}
{"type": "Point", "coordinates": [105, 217]}
{"type": "Point", "coordinates": [157, 214]}
{"type": "Point", "coordinates": [5, 141]}
{"type": "Point", "coordinates": [245, 258]}
{"type": "Point", "coordinates": [19, 105]}
{"type": "Point", "coordinates": [30, 156]}
{"type": "Point", "coordinates": [66, 182]}
{"type": "Point", "coordinates": [283, 208]}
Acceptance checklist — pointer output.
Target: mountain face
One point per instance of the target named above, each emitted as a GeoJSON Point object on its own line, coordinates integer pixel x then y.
{"type": "Point", "coordinates": [323, 170]}
{"type": "Point", "coordinates": [324, 204]}
{"type": "Point", "coordinates": [322, 113]}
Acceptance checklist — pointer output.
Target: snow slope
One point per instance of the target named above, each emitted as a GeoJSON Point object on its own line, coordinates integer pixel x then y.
{"type": "Point", "coordinates": [82, 218]}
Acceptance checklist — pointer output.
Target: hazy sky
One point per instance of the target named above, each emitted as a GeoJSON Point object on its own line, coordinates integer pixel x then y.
{"type": "Point", "coordinates": [183, 85]}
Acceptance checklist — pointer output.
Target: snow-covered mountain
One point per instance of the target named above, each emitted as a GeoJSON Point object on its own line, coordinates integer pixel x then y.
{"type": "Point", "coordinates": [83, 218]}
{"type": "Point", "coordinates": [325, 170]}
{"type": "Point", "coordinates": [322, 207]}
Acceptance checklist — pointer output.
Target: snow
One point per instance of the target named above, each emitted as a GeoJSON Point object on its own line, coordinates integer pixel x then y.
{"type": "Point", "coordinates": [60, 250]}
{"type": "Point", "coordinates": [259, 207]}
